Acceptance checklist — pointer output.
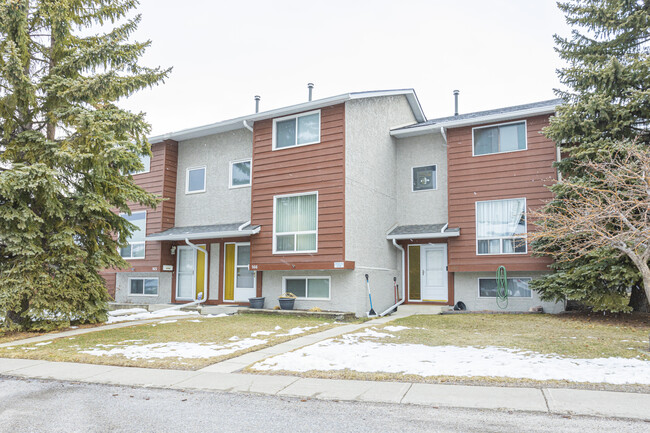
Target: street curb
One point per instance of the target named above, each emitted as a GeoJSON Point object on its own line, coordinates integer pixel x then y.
{"type": "Point", "coordinates": [545, 400]}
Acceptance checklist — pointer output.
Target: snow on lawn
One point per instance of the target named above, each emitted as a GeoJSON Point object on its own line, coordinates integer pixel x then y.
{"type": "Point", "coordinates": [350, 352]}
{"type": "Point", "coordinates": [173, 349]}
{"type": "Point", "coordinates": [142, 314]}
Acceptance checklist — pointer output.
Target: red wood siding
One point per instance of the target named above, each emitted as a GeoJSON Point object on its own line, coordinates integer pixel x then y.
{"type": "Point", "coordinates": [315, 167]}
{"type": "Point", "coordinates": [491, 177]}
{"type": "Point", "coordinates": [161, 181]}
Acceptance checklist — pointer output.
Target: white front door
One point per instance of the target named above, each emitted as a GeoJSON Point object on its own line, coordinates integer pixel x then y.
{"type": "Point", "coordinates": [433, 265]}
{"type": "Point", "coordinates": [186, 268]}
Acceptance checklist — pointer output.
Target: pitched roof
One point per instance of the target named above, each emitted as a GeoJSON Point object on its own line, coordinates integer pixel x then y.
{"type": "Point", "coordinates": [423, 231]}
{"type": "Point", "coordinates": [216, 231]}
{"type": "Point", "coordinates": [498, 114]}
{"type": "Point", "coordinates": [240, 122]}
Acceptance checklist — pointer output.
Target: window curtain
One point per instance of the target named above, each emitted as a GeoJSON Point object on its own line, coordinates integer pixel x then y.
{"type": "Point", "coordinates": [500, 218]}
{"type": "Point", "coordinates": [295, 214]}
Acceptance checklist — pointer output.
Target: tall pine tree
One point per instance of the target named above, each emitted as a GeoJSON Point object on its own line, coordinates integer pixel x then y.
{"type": "Point", "coordinates": [66, 150]}
{"type": "Point", "coordinates": [607, 101]}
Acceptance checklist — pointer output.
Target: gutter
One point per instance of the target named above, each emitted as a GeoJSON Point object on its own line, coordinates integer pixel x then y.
{"type": "Point", "coordinates": [247, 126]}
{"type": "Point", "coordinates": [208, 235]}
{"type": "Point", "coordinates": [424, 235]}
{"type": "Point", "coordinates": [436, 127]}
{"type": "Point", "coordinates": [399, 247]}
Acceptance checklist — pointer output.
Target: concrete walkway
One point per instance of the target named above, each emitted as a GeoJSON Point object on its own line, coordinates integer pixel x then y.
{"type": "Point", "coordinates": [555, 401]}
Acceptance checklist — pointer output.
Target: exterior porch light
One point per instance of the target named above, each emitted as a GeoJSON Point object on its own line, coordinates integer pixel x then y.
{"type": "Point", "coordinates": [172, 251]}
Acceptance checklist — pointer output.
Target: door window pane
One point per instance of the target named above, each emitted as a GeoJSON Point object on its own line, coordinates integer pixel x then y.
{"type": "Point", "coordinates": [243, 255]}
{"type": "Point", "coordinates": [245, 278]}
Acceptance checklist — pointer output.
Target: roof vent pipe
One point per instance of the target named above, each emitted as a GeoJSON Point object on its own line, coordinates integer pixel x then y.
{"type": "Point", "coordinates": [456, 92]}
{"type": "Point", "coordinates": [257, 103]}
{"type": "Point", "coordinates": [311, 88]}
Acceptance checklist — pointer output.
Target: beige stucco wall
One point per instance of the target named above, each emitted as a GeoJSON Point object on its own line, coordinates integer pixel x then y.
{"type": "Point", "coordinates": [421, 207]}
{"type": "Point", "coordinates": [218, 204]}
{"type": "Point", "coordinates": [371, 198]}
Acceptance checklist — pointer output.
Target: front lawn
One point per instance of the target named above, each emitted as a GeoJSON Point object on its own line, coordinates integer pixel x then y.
{"type": "Point", "coordinates": [183, 343]}
{"type": "Point", "coordinates": [472, 348]}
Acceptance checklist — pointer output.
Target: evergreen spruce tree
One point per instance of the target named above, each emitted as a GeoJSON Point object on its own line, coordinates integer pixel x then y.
{"type": "Point", "coordinates": [66, 151]}
{"type": "Point", "coordinates": [607, 102]}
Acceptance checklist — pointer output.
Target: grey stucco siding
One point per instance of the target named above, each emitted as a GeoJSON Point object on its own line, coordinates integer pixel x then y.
{"type": "Point", "coordinates": [427, 206]}
{"type": "Point", "coordinates": [347, 290]}
{"type": "Point", "coordinates": [371, 197]}
{"type": "Point", "coordinates": [164, 296]}
{"type": "Point", "coordinates": [219, 204]}
{"type": "Point", "coordinates": [466, 290]}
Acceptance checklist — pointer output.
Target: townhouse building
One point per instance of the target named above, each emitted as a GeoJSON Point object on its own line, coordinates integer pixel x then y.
{"type": "Point", "coordinates": [312, 197]}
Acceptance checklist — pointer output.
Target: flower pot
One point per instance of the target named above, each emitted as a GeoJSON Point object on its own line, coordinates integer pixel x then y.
{"type": "Point", "coordinates": [257, 303]}
{"type": "Point", "coordinates": [286, 303]}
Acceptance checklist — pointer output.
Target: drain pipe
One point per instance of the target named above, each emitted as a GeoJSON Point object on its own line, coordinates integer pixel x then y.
{"type": "Point", "coordinates": [247, 126]}
{"type": "Point", "coordinates": [203, 297]}
{"type": "Point", "coordinates": [399, 247]}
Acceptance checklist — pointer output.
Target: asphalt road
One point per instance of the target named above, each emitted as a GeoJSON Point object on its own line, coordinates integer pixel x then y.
{"type": "Point", "coordinates": [53, 406]}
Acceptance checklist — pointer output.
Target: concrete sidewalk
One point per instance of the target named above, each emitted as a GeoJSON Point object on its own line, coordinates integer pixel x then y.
{"type": "Point", "coordinates": [547, 400]}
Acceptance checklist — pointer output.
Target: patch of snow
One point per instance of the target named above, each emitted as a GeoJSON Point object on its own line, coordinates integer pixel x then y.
{"type": "Point", "coordinates": [297, 330]}
{"type": "Point", "coordinates": [74, 327]}
{"type": "Point", "coordinates": [277, 328]}
{"type": "Point", "coordinates": [45, 343]}
{"type": "Point", "coordinates": [217, 315]}
{"type": "Point", "coordinates": [174, 349]}
{"type": "Point", "coordinates": [30, 348]}
{"type": "Point", "coordinates": [395, 328]}
{"type": "Point", "coordinates": [352, 353]}
{"type": "Point", "coordinates": [258, 333]}
{"type": "Point", "coordinates": [126, 312]}
{"type": "Point", "coordinates": [234, 338]}
{"type": "Point", "coordinates": [167, 321]}
{"type": "Point", "coordinates": [195, 320]}
{"type": "Point", "coordinates": [145, 315]}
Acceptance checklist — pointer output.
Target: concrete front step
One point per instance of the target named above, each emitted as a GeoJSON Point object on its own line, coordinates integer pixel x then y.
{"type": "Point", "coordinates": [422, 309]}
{"type": "Point", "coordinates": [338, 316]}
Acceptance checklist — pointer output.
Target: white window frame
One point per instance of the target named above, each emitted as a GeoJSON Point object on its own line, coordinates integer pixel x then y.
{"type": "Point", "coordinates": [306, 278]}
{"type": "Point", "coordinates": [237, 265]}
{"type": "Point", "coordinates": [143, 278]}
{"type": "Point", "coordinates": [133, 173]}
{"type": "Point", "coordinates": [478, 288]}
{"type": "Point", "coordinates": [422, 166]}
{"type": "Point", "coordinates": [296, 116]}
{"type": "Point", "coordinates": [523, 236]}
{"type": "Point", "coordinates": [275, 234]}
{"type": "Point", "coordinates": [496, 126]}
{"type": "Point", "coordinates": [187, 179]}
{"type": "Point", "coordinates": [137, 243]}
{"type": "Point", "coordinates": [238, 161]}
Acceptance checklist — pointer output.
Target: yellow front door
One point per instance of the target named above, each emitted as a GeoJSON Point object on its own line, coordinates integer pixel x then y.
{"type": "Point", "coordinates": [200, 274]}
{"type": "Point", "coordinates": [229, 280]}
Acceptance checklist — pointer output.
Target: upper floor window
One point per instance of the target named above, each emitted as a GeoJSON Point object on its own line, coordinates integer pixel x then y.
{"type": "Point", "coordinates": [501, 226]}
{"type": "Point", "coordinates": [135, 249]}
{"type": "Point", "coordinates": [424, 178]}
{"type": "Point", "coordinates": [507, 137]}
{"type": "Point", "coordinates": [298, 130]}
{"type": "Point", "coordinates": [295, 223]}
{"type": "Point", "coordinates": [195, 180]}
{"type": "Point", "coordinates": [146, 164]}
{"type": "Point", "coordinates": [240, 173]}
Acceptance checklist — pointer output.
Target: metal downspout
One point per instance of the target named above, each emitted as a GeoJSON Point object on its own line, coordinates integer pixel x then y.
{"type": "Point", "coordinates": [203, 297]}
{"type": "Point", "coordinates": [396, 245]}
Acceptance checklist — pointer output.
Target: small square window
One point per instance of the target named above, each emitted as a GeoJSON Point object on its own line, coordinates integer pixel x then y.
{"type": "Point", "coordinates": [424, 178]}
{"type": "Point", "coordinates": [195, 180]}
{"type": "Point", "coordinates": [240, 174]}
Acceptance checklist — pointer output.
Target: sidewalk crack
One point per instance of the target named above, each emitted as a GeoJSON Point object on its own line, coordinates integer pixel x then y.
{"type": "Point", "coordinates": [407, 391]}
{"type": "Point", "coordinates": [548, 408]}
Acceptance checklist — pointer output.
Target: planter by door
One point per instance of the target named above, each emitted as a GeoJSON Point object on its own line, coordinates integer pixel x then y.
{"type": "Point", "coordinates": [257, 303]}
{"type": "Point", "coordinates": [286, 303]}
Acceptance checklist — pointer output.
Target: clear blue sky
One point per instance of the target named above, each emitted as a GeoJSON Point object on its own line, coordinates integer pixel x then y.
{"type": "Point", "coordinates": [497, 53]}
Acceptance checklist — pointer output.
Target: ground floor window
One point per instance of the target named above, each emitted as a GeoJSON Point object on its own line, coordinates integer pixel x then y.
{"type": "Point", "coordinates": [517, 288]}
{"type": "Point", "coordinates": [143, 286]}
{"type": "Point", "coordinates": [307, 287]}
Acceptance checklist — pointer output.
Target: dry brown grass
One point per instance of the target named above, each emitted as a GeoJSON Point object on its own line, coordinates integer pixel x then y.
{"type": "Point", "coordinates": [209, 330]}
